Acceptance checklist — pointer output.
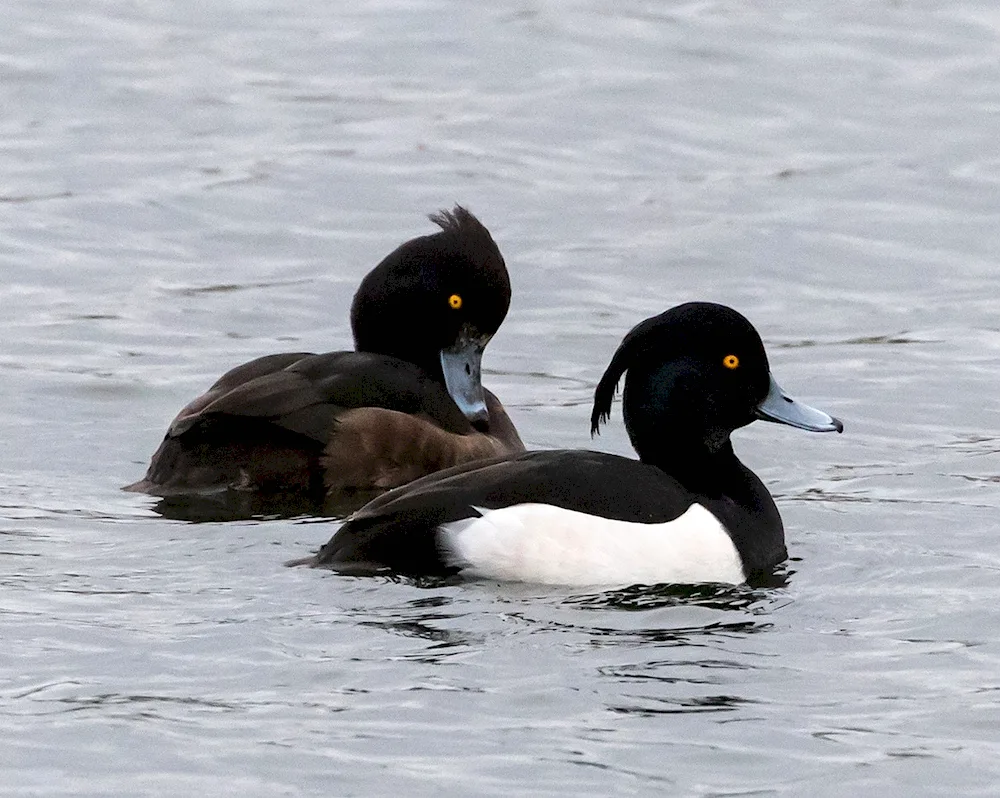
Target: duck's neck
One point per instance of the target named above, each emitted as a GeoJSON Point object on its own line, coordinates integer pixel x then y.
{"type": "Point", "coordinates": [402, 347]}
{"type": "Point", "coordinates": [734, 494]}
{"type": "Point", "coordinates": [698, 468]}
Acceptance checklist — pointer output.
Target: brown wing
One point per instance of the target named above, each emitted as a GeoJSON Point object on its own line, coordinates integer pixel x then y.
{"type": "Point", "coordinates": [378, 448]}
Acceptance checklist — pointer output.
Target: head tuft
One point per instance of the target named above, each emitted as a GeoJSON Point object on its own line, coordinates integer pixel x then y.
{"type": "Point", "coordinates": [457, 220]}
{"type": "Point", "coordinates": [631, 347]}
{"type": "Point", "coordinates": [603, 397]}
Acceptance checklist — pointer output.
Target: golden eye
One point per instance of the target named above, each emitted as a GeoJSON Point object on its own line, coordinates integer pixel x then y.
{"type": "Point", "coordinates": [731, 362]}
{"type": "Point", "coordinates": [455, 301]}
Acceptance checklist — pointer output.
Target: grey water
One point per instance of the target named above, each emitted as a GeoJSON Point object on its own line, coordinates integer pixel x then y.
{"type": "Point", "coordinates": [187, 185]}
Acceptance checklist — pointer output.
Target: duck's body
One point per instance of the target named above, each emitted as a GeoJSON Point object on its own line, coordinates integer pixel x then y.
{"type": "Point", "coordinates": [409, 402]}
{"type": "Point", "coordinates": [688, 511]}
{"type": "Point", "coordinates": [538, 517]}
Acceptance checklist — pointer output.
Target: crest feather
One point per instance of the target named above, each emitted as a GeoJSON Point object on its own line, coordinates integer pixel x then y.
{"type": "Point", "coordinates": [457, 220]}
{"type": "Point", "coordinates": [633, 346]}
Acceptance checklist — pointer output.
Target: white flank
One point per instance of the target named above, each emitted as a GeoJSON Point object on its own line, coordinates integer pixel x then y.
{"type": "Point", "coordinates": [549, 545]}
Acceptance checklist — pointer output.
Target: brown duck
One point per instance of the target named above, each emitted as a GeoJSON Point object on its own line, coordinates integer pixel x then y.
{"type": "Point", "coordinates": [407, 402]}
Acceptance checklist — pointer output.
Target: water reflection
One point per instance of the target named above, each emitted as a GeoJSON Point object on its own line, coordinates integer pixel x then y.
{"type": "Point", "coordinates": [712, 596]}
{"type": "Point", "coordinates": [678, 635]}
{"type": "Point", "coordinates": [688, 633]}
{"type": "Point", "coordinates": [674, 706]}
{"type": "Point", "coordinates": [236, 505]}
{"type": "Point", "coordinates": [662, 615]}
{"type": "Point", "coordinates": [863, 340]}
{"type": "Point", "coordinates": [142, 705]}
{"type": "Point", "coordinates": [422, 619]}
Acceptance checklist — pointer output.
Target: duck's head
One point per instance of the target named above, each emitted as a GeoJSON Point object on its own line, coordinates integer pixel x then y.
{"type": "Point", "coordinates": [436, 301]}
{"type": "Point", "coordinates": [694, 374]}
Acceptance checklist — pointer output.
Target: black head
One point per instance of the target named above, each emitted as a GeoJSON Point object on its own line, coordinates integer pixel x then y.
{"type": "Point", "coordinates": [432, 291]}
{"type": "Point", "coordinates": [695, 373]}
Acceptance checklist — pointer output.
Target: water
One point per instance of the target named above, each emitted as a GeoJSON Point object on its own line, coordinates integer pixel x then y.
{"type": "Point", "coordinates": [186, 186]}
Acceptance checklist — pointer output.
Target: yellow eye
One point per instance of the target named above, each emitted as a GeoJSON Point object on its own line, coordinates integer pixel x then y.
{"type": "Point", "coordinates": [731, 362]}
{"type": "Point", "coordinates": [455, 301]}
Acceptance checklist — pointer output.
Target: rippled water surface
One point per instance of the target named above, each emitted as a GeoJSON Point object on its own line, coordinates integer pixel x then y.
{"type": "Point", "coordinates": [184, 186]}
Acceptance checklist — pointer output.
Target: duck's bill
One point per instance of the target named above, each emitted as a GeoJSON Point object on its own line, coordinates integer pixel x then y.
{"type": "Point", "coordinates": [462, 364]}
{"type": "Point", "coordinates": [781, 408]}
